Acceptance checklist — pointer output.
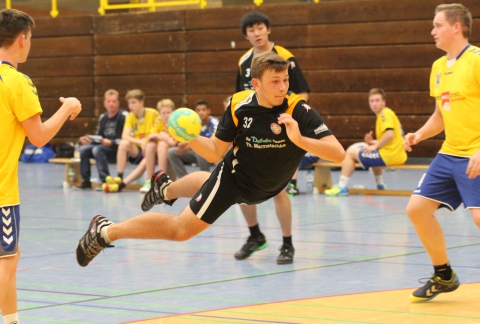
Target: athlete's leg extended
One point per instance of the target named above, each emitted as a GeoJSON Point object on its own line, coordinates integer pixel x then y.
{"type": "Point", "coordinates": [8, 287]}
{"type": "Point", "coordinates": [420, 211]}
{"type": "Point", "coordinates": [476, 216]}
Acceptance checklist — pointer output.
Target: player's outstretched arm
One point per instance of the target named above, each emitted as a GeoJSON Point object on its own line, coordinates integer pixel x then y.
{"type": "Point", "coordinates": [40, 133]}
{"type": "Point", "coordinates": [432, 127]}
{"type": "Point", "coordinates": [211, 149]}
{"type": "Point", "coordinates": [328, 147]}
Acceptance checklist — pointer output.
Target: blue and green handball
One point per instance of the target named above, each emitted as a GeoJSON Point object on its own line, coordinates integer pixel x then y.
{"type": "Point", "coordinates": [184, 124]}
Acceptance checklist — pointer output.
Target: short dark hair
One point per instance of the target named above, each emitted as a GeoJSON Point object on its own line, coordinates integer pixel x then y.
{"type": "Point", "coordinates": [202, 102]}
{"type": "Point", "coordinates": [267, 61]}
{"type": "Point", "coordinates": [12, 23]}
{"type": "Point", "coordinates": [252, 18]}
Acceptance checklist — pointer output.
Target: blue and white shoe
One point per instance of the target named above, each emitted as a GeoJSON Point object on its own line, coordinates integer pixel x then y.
{"type": "Point", "coordinates": [381, 186]}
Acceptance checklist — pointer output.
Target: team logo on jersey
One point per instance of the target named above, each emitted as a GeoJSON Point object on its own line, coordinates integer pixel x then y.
{"type": "Point", "coordinates": [292, 65]}
{"type": "Point", "coordinates": [320, 129]}
{"type": "Point", "coordinates": [437, 83]}
{"type": "Point", "coordinates": [276, 129]}
{"type": "Point", "coordinates": [307, 107]}
{"type": "Point", "coordinates": [199, 198]}
{"type": "Point", "coordinates": [446, 101]}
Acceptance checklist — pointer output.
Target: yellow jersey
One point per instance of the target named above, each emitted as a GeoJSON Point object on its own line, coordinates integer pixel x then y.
{"type": "Point", "coordinates": [18, 102]}
{"type": "Point", "coordinates": [141, 128]}
{"type": "Point", "coordinates": [393, 153]}
{"type": "Point", "coordinates": [456, 90]}
{"type": "Point", "coordinates": [159, 126]}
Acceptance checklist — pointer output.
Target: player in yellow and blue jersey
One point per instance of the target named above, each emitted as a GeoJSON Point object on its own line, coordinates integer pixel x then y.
{"type": "Point", "coordinates": [453, 176]}
{"type": "Point", "coordinates": [20, 112]}
{"type": "Point", "coordinates": [386, 150]}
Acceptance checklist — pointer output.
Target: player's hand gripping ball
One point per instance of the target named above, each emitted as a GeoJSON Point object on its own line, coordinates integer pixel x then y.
{"type": "Point", "coordinates": [184, 125]}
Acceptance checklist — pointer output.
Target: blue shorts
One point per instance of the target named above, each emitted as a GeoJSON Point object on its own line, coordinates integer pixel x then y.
{"type": "Point", "coordinates": [371, 159]}
{"type": "Point", "coordinates": [308, 160]}
{"type": "Point", "coordinates": [446, 182]}
{"type": "Point", "coordinates": [10, 224]}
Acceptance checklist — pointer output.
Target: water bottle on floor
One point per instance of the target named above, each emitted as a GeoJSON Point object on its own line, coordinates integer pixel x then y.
{"type": "Point", "coordinates": [309, 179]}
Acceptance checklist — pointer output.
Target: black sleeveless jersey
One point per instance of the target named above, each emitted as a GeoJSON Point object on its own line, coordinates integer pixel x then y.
{"type": "Point", "coordinates": [262, 156]}
{"type": "Point", "coordinates": [298, 84]}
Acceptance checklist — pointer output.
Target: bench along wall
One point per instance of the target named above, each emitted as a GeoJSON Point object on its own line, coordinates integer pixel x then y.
{"type": "Point", "coordinates": [344, 49]}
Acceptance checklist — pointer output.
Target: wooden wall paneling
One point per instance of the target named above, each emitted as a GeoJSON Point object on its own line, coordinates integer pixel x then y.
{"type": "Point", "coordinates": [210, 83]}
{"type": "Point", "coordinates": [62, 46]}
{"type": "Point", "coordinates": [348, 126]}
{"type": "Point", "coordinates": [364, 80]}
{"type": "Point", "coordinates": [65, 87]}
{"type": "Point", "coordinates": [49, 67]}
{"type": "Point", "coordinates": [161, 42]}
{"type": "Point", "coordinates": [215, 40]}
{"type": "Point", "coordinates": [208, 61]}
{"type": "Point", "coordinates": [140, 64]}
{"type": "Point", "coordinates": [63, 26]}
{"type": "Point", "coordinates": [51, 105]}
{"type": "Point", "coordinates": [164, 85]}
{"type": "Point", "coordinates": [366, 57]}
{"type": "Point", "coordinates": [379, 33]}
{"type": "Point", "coordinates": [136, 23]}
{"type": "Point", "coordinates": [356, 103]}
{"type": "Point", "coordinates": [215, 102]}
{"type": "Point", "coordinates": [78, 127]}
{"type": "Point", "coordinates": [217, 18]}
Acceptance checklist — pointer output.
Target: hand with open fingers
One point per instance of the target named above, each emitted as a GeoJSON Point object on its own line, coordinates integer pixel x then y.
{"type": "Point", "coordinates": [473, 168]}
{"type": "Point", "coordinates": [293, 132]}
{"type": "Point", "coordinates": [368, 149]}
{"type": "Point", "coordinates": [73, 106]}
{"type": "Point", "coordinates": [410, 139]}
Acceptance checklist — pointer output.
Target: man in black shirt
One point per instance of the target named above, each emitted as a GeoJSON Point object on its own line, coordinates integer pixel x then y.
{"type": "Point", "coordinates": [256, 28]}
{"type": "Point", "coordinates": [270, 130]}
{"type": "Point", "coordinates": [104, 150]}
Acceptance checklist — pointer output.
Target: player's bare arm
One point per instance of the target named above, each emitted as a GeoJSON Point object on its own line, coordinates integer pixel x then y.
{"type": "Point", "coordinates": [327, 147]}
{"type": "Point", "coordinates": [211, 149]}
{"type": "Point", "coordinates": [126, 136]}
{"type": "Point", "coordinates": [432, 127]}
{"type": "Point", "coordinates": [386, 138]}
{"type": "Point", "coordinates": [40, 133]}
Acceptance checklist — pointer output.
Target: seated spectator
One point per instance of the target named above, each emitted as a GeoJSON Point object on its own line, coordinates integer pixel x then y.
{"type": "Point", "coordinates": [158, 142]}
{"type": "Point", "coordinates": [138, 125]}
{"type": "Point", "coordinates": [110, 127]}
{"type": "Point", "coordinates": [183, 154]}
{"type": "Point", "coordinates": [386, 150]}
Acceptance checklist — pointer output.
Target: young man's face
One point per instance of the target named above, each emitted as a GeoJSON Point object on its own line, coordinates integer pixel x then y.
{"type": "Point", "coordinates": [203, 111]}
{"type": "Point", "coordinates": [165, 112]}
{"type": "Point", "coordinates": [257, 35]}
{"type": "Point", "coordinates": [442, 32]}
{"type": "Point", "coordinates": [135, 105]}
{"type": "Point", "coordinates": [111, 104]}
{"type": "Point", "coordinates": [272, 87]}
{"type": "Point", "coordinates": [376, 103]}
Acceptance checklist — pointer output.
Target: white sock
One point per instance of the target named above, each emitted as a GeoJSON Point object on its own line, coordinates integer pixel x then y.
{"type": "Point", "coordinates": [165, 193]}
{"type": "Point", "coordinates": [104, 234]}
{"type": "Point", "coordinates": [343, 183]}
{"type": "Point", "coordinates": [379, 179]}
{"type": "Point", "coordinates": [11, 319]}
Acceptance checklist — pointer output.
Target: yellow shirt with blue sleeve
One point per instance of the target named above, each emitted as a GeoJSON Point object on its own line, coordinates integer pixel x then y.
{"type": "Point", "coordinates": [393, 152]}
{"type": "Point", "coordinates": [456, 89]}
{"type": "Point", "coordinates": [18, 102]}
{"type": "Point", "coordinates": [141, 128]}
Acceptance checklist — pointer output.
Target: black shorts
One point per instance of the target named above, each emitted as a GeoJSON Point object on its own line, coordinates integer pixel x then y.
{"type": "Point", "coordinates": [220, 192]}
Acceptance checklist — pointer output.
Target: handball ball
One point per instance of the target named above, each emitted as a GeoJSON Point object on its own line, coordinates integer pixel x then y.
{"type": "Point", "coordinates": [184, 124]}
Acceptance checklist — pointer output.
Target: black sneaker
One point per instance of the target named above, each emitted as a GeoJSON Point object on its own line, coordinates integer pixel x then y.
{"type": "Point", "coordinates": [292, 190]}
{"type": "Point", "coordinates": [154, 196]}
{"type": "Point", "coordinates": [253, 244]}
{"type": "Point", "coordinates": [92, 243]}
{"type": "Point", "coordinates": [286, 254]}
{"type": "Point", "coordinates": [84, 185]}
{"type": "Point", "coordinates": [435, 286]}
